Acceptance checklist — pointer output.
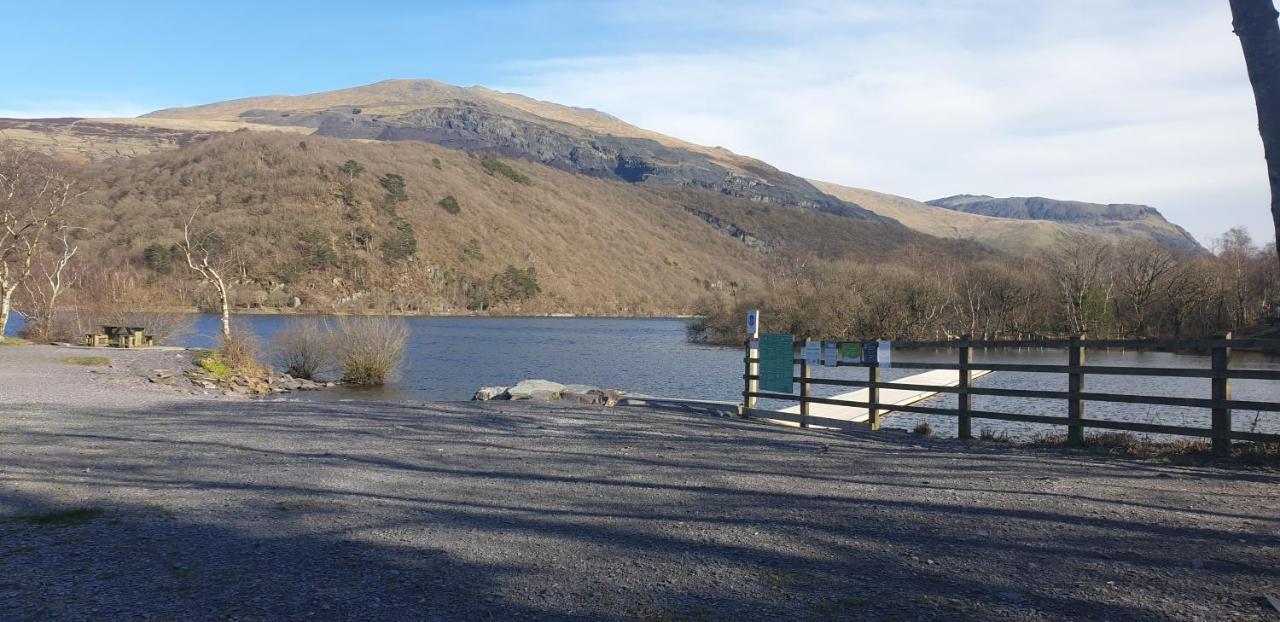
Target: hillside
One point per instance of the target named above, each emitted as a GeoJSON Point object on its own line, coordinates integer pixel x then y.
{"type": "Point", "coordinates": [481, 120]}
{"type": "Point", "coordinates": [1120, 219]}
{"type": "Point", "coordinates": [525, 237]}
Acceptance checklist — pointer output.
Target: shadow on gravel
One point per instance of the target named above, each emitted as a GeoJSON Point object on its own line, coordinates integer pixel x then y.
{"type": "Point", "coordinates": [143, 563]}
{"type": "Point", "coordinates": [387, 511]}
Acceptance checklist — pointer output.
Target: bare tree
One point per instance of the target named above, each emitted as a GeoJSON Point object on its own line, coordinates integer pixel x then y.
{"type": "Point", "coordinates": [207, 256]}
{"type": "Point", "coordinates": [1141, 274]}
{"type": "Point", "coordinates": [1255, 23]}
{"type": "Point", "coordinates": [1079, 268]}
{"type": "Point", "coordinates": [43, 294]}
{"type": "Point", "coordinates": [33, 195]}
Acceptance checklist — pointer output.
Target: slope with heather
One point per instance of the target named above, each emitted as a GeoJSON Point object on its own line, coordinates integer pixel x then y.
{"type": "Point", "coordinates": [421, 228]}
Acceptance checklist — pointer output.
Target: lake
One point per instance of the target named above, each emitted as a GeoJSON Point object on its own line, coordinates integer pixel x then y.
{"type": "Point", "coordinates": [448, 358]}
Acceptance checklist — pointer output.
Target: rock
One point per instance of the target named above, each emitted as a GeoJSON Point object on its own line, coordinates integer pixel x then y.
{"type": "Point", "coordinates": [526, 388]}
{"type": "Point", "coordinates": [584, 397]}
{"type": "Point", "coordinates": [544, 396]}
{"type": "Point", "coordinates": [579, 388]}
{"type": "Point", "coordinates": [490, 393]}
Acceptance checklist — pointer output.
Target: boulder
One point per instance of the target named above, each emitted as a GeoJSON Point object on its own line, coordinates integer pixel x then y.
{"type": "Point", "coordinates": [491, 393]}
{"type": "Point", "coordinates": [526, 389]}
{"type": "Point", "coordinates": [544, 396]}
{"type": "Point", "coordinates": [594, 397]}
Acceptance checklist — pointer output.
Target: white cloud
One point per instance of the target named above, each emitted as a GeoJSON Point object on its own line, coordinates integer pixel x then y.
{"type": "Point", "coordinates": [1100, 100]}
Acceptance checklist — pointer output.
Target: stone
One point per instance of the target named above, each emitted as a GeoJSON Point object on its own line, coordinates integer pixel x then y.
{"type": "Point", "coordinates": [544, 396]}
{"type": "Point", "coordinates": [525, 389]}
{"type": "Point", "coordinates": [490, 393]}
{"type": "Point", "coordinates": [584, 397]}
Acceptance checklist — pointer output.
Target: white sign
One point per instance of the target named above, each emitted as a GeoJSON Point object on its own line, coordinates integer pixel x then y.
{"type": "Point", "coordinates": [812, 353]}
{"type": "Point", "coordinates": [883, 350]}
{"type": "Point", "coordinates": [830, 353]}
{"type": "Point", "coordinates": [753, 323]}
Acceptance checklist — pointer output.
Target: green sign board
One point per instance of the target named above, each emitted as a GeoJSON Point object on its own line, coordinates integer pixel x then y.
{"type": "Point", "coordinates": [777, 363]}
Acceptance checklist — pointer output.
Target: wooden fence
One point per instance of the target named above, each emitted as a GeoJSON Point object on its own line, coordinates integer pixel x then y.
{"type": "Point", "coordinates": [1219, 402]}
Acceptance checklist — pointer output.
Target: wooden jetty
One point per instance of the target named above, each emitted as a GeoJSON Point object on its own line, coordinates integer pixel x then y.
{"type": "Point", "coordinates": [889, 397]}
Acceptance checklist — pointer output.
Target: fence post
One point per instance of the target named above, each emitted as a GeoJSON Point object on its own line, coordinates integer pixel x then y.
{"type": "Point", "coordinates": [1075, 386]}
{"type": "Point", "coordinates": [804, 392]}
{"type": "Point", "coordinates": [873, 396]}
{"type": "Point", "coordinates": [1221, 391]}
{"type": "Point", "coordinates": [750, 386]}
{"type": "Point", "coordinates": [965, 425]}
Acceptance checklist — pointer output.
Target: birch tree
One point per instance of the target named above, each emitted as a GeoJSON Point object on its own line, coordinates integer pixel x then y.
{"type": "Point", "coordinates": [209, 257]}
{"type": "Point", "coordinates": [34, 193]}
{"type": "Point", "coordinates": [42, 294]}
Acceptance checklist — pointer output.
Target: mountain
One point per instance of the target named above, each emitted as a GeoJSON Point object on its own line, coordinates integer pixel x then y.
{"type": "Point", "coordinates": [481, 120]}
{"type": "Point", "coordinates": [425, 228]}
{"type": "Point", "coordinates": [1119, 219]}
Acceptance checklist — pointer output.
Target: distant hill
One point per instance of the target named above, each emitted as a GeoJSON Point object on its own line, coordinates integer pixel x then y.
{"type": "Point", "coordinates": [1019, 228]}
{"type": "Point", "coordinates": [1118, 218]}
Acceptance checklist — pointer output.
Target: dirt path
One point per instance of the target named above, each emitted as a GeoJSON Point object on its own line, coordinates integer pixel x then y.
{"type": "Point", "coordinates": [214, 510]}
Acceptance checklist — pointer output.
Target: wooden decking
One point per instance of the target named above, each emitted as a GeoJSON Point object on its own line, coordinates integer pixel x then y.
{"type": "Point", "coordinates": [888, 397]}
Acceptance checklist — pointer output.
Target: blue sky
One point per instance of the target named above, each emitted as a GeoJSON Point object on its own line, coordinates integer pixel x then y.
{"type": "Point", "coordinates": [1098, 100]}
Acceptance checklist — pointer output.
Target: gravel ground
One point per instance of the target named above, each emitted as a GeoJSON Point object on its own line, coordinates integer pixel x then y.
{"type": "Point", "coordinates": [281, 510]}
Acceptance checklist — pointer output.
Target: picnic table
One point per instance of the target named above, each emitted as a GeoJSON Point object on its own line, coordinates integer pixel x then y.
{"type": "Point", "coordinates": [120, 337]}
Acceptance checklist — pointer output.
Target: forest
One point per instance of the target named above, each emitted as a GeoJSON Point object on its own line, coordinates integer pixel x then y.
{"type": "Point", "coordinates": [1082, 286]}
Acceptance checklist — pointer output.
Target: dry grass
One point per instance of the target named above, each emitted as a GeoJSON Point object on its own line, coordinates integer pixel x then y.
{"type": "Point", "coordinates": [88, 361]}
{"type": "Point", "coordinates": [1183, 451]}
{"type": "Point", "coordinates": [370, 349]}
{"type": "Point", "coordinates": [304, 348]}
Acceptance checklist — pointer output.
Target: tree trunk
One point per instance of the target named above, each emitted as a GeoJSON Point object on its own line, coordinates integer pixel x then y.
{"type": "Point", "coordinates": [226, 312]}
{"type": "Point", "coordinates": [6, 306]}
{"type": "Point", "coordinates": [1255, 23]}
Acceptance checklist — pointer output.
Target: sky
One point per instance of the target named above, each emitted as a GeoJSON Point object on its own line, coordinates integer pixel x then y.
{"type": "Point", "coordinates": [1108, 101]}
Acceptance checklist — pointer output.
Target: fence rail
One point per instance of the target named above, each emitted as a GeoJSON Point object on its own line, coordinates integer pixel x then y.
{"type": "Point", "coordinates": [1219, 403]}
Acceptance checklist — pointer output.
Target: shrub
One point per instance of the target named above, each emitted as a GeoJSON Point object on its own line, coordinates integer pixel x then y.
{"type": "Point", "coordinates": [515, 284]}
{"type": "Point", "coordinates": [370, 349]}
{"type": "Point", "coordinates": [493, 166]}
{"type": "Point", "coordinates": [923, 429]}
{"type": "Point", "coordinates": [303, 349]}
{"type": "Point", "coordinates": [450, 205]}
{"type": "Point", "coordinates": [242, 353]}
{"type": "Point", "coordinates": [394, 185]}
{"type": "Point", "coordinates": [401, 244]}
{"type": "Point", "coordinates": [436, 163]}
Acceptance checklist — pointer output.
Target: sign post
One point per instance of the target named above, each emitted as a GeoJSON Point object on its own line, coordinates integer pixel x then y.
{"type": "Point", "coordinates": [753, 352]}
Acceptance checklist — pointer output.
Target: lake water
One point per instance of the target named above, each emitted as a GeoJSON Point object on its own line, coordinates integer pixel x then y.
{"type": "Point", "coordinates": [449, 358]}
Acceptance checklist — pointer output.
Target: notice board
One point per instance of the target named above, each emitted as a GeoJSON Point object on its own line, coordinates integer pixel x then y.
{"type": "Point", "coordinates": [777, 363]}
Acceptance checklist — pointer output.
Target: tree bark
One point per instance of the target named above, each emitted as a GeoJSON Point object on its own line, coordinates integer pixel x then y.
{"type": "Point", "coordinates": [6, 306]}
{"type": "Point", "coordinates": [1255, 23]}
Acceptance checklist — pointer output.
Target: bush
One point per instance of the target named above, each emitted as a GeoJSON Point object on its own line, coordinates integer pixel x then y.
{"type": "Point", "coordinates": [303, 349]}
{"type": "Point", "coordinates": [370, 349]}
{"type": "Point", "coordinates": [242, 353]}
{"type": "Point", "coordinates": [401, 244]}
{"type": "Point", "coordinates": [514, 284]}
{"type": "Point", "coordinates": [493, 166]}
{"type": "Point", "coordinates": [450, 205]}
{"type": "Point", "coordinates": [923, 429]}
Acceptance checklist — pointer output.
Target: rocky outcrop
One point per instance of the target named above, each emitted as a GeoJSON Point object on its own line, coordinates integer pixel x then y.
{"type": "Point", "coordinates": [1143, 219]}
{"type": "Point", "coordinates": [547, 391]}
{"type": "Point", "coordinates": [729, 228]}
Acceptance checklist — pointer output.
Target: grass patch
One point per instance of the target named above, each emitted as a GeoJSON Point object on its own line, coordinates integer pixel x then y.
{"type": "Point", "coordinates": [1183, 452]}
{"type": "Point", "coordinates": [213, 362]}
{"type": "Point", "coordinates": [59, 518]}
{"type": "Point", "coordinates": [13, 341]}
{"type": "Point", "coordinates": [91, 361]}
{"type": "Point", "coordinates": [494, 166]}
